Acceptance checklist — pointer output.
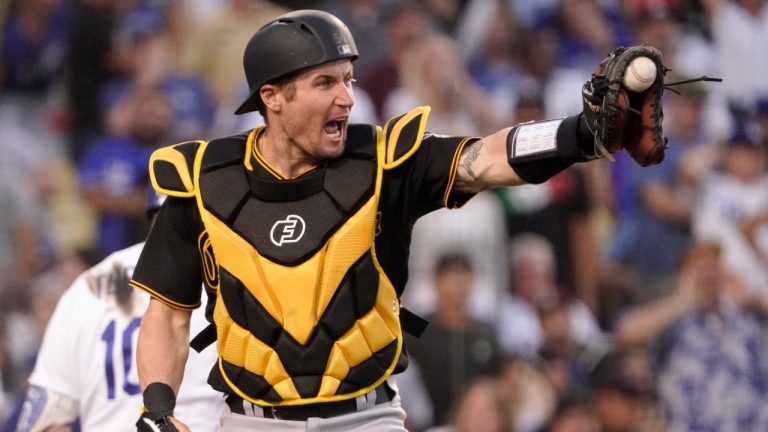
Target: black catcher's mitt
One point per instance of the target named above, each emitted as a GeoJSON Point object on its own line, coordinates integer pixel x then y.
{"type": "Point", "coordinates": [619, 118]}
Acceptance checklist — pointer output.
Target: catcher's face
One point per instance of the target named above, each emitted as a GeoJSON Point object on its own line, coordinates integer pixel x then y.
{"type": "Point", "coordinates": [314, 115]}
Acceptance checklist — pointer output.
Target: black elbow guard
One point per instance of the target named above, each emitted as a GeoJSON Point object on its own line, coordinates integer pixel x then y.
{"type": "Point", "coordinates": [539, 150]}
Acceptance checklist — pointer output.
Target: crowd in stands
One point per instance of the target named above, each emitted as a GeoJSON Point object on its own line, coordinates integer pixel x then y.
{"type": "Point", "coordinates": [610, 298]}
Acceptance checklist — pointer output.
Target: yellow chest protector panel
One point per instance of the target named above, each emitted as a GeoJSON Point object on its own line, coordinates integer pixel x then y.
{"type": "Point", "coordinates": [304, 313]}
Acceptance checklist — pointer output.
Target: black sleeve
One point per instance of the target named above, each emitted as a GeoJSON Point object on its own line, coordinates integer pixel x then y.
{"type": "Point", "coordinates": [432, 173]}
{"type": "Point", "coordinates": [169, 268]}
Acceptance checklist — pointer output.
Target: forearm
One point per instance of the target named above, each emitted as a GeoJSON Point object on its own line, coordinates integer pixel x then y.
{"type": "Point", "coordinates": [526, 153]}
{"type": "Point", "coordinates": [46, 410]}
{"type": "Point", "coordinates": [483, 165]}
{"type": "Point", "coordinates": [163, 345]}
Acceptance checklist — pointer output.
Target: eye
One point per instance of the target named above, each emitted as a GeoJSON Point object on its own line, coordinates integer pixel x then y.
{"type": "Point", "coordinates": [324, 82]}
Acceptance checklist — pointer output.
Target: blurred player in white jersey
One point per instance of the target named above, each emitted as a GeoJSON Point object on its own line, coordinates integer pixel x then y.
{"type": "Point", "coordinates": [86, 366]}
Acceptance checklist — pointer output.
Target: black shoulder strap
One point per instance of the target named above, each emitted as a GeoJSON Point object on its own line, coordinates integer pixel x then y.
{"type": "Point", "coordinates": [412, 323]}
{"type": "Point", "coordinates": [206, 337]}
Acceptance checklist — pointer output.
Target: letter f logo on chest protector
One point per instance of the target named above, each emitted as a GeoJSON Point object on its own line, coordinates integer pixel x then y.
{"type": "Point", "coordinates": [288, 230]}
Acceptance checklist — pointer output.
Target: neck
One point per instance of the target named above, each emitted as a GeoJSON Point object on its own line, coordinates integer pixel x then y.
{"type": "Point", "coordinates": [283, 155]}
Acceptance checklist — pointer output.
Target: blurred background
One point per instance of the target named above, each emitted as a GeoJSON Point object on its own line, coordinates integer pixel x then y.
{"type": "Point", "coordinates": [610, 298]}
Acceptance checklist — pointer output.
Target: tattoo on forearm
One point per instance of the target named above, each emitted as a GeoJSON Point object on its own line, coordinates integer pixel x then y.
{"type": "Point", "coordinates": [470, 155]}
{"type": "Point", "coordinates": [466, 175]}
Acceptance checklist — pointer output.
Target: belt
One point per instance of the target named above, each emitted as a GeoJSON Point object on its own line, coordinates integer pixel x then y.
{"type": "Point", "coordinates": [379, 395]}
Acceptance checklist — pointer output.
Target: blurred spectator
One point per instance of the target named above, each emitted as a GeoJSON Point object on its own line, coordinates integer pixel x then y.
{"type": "Point", "coordinates": [447, 14]}
{"type": "Point", "coordinates": [559, 210]}
{"type": "Point", "coordinates": [32, 59]}
{"type": "Point", "coordinates": [476, 228]}
{"type": "Point", "coordinates": [113, 174]}
{"type": "Point", "coordinates": [541, 67]}
{"type": "Point", "coordinates": [483, 408]}
{"type": "Point", "coordinates": [622, 394]}
{"type": "Point", "coordinates": [25, 329]}
{"type": "Point", "coordinates": [364, 20]}
{"type": "Point", "coordinates": [431, 73]}
{"type": "Point", "coordinates": [754, 230]}
{"type": "Point", "coordinates": [32, 54]}
{"type": "Point", "coordinates": [214, 47]}
{"type": "Point", "coordinates": [738, 26]}
{"type": "Point", "coordinates": [759, 118]}
{"type": "Point", "coordinates": [5, 395]}
{"type": "Point", "coordinates": [18, 237]}
{"type": "Point", "coordinates": [657, 28]}
{"type": "Point", "coordinates": [454, 349]}
{"type": "Point", "coordinates": [404, 22]}
{"type": "Point", "coordinates": [710, 347]}
{"type": "Point", "coordinates": [148, 57]}
{"type": "Point", "coordinates": [28, 172]}
{"type": "Point", "coordinates": [534, 13]}
{"type": "Point", "coordinates": [589, 30]}
{"type": "Point", "coordinates": [533, 285]}
{"type": "Point", "coordinates": [734, 193]}
{"type": "Point", "coordinates": [654, 205]}
{"type": "Point", "coordinates": [562, 359]}
{"type": "Point", "coordinates": [531, 398]}
{"type": "Point", "coordinates": [492, 63]}
{"type": "Point", "coordinates": [89, 66]}
{"type": "Point", "coordinates": [573, 414]}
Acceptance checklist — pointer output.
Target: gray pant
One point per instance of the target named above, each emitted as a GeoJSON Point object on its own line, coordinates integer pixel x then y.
{"type": "Point", "coordinates": [380, 418]}
{"type": "Point", "coordinates": [384, 417]}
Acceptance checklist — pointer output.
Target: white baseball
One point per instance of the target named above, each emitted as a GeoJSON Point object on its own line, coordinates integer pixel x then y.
{"type": "Point", "coordinates": [640, 74]}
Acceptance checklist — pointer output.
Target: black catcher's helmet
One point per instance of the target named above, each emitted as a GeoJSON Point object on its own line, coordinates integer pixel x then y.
{"type": "Point", "coordinates": [294, 41]}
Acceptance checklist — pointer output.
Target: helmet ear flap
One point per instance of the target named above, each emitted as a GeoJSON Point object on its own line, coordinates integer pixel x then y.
{"type": "Point", "coordinates": [291, 43]}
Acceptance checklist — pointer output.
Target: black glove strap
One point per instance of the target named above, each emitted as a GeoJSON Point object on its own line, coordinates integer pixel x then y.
{"type": "Point", "coordinates": [571, 139]}
{"type": "Point", "coordinates": [159, 400]}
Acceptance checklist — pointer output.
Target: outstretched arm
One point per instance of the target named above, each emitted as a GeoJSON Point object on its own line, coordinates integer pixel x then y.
{"type": "Point", "coordinates": [161, 354]}
{"type": "Point", "coordinates": [526, 153]}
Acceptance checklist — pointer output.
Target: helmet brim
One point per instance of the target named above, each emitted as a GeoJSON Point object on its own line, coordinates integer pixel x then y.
{"type": "Point", "coordinates": [250, 104]}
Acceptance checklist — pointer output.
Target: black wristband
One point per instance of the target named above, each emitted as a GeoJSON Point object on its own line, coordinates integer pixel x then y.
{"type": "Point", "coordinates": [159, 400]}
{"type": "Point", "coordinates": [568, 147]}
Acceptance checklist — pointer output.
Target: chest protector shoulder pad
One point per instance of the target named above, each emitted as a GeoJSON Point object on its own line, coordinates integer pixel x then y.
{"type": "Point", "coordinates": [403, 135]}
{"type": "Point", "coordinates": [170, 169]}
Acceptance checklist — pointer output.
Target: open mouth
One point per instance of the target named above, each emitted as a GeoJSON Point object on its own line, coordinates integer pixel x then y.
{"type": "Point", "coordinates": [335, 128]}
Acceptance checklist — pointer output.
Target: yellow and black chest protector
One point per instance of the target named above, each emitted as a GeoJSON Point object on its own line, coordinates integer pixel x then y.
{"type": "Point", "coordinates": [304, 313]}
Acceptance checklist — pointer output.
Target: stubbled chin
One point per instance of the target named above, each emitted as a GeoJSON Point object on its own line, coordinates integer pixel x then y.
{"type": "Point", "coordinates": [333, 147]}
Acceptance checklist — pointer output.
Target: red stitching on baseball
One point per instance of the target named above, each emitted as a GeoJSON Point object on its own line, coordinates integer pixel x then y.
{"type": "Point", "coordinates": [637, 75]}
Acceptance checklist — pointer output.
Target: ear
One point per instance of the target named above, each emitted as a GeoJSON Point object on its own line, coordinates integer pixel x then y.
{"type": "Point", "coordinates": [270, 96]}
